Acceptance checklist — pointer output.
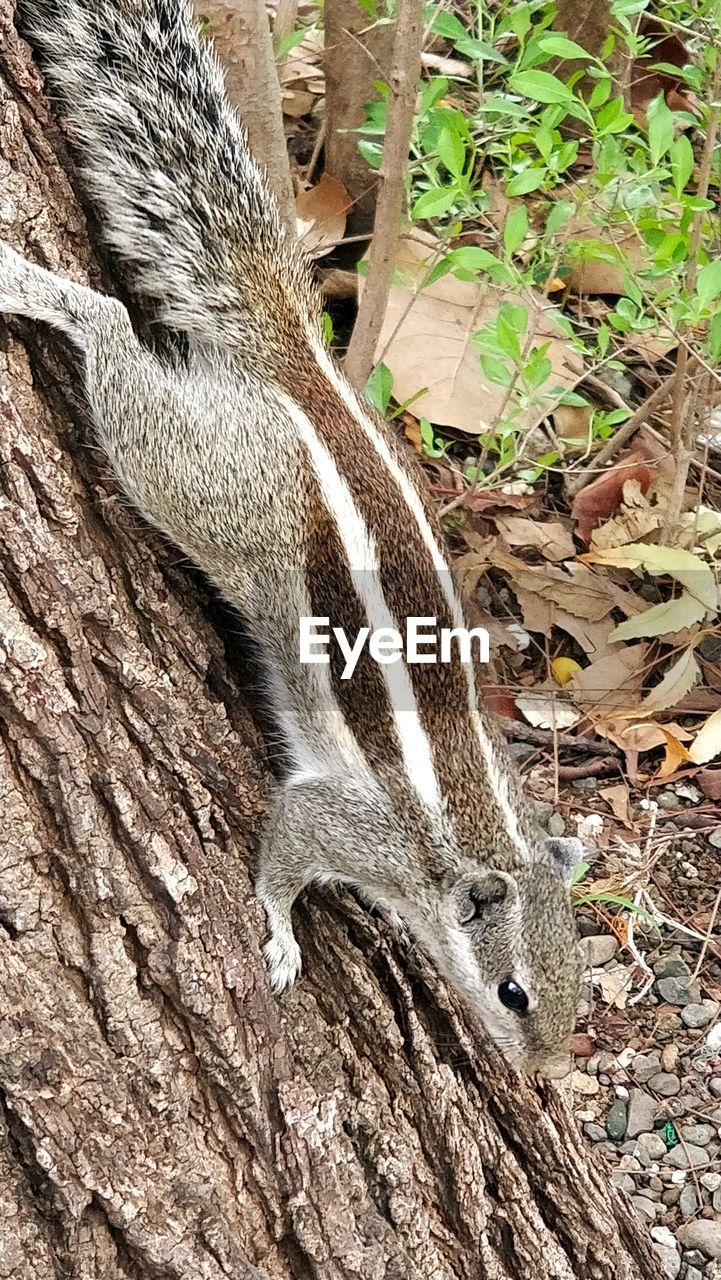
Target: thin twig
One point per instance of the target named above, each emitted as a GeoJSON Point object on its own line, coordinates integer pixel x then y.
{"type": "Point", "coordinates": [405, 73]}
{"type": "Point", "coordinates": [544, 738]}
{"type": "Point", "coordinates": [707, 939]}
{"type": "Point", "coordinates": [683, 423]}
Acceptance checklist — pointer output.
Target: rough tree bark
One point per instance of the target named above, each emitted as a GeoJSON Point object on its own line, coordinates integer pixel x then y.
{"type": "Point", "coordinates": [358, 50]}
{"type": "Point", "coordinates": [161, 1114]}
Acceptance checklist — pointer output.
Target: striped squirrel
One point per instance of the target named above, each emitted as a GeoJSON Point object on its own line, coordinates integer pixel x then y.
{"type": "Point", "coordinates": [254, 455]}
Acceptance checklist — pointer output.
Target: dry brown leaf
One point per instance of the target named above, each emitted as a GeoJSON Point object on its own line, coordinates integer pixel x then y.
{"type": "Point", "coordinates": [297, 102]}
{"type": "Point", "coordinates": [551, 538]}
{"type": "Point", "coordinates": [638, 737]}
{"type": "Point", "coordinates": [707, 743]}
{"type": "Point", "coordinates": [611, 684]}
{"type": "Point", "coordinates": [709, 781]}
{"type": "Point", "coordinates": [594, 276]}
{"type": "Point", "coordinates": [675, 755]}
{"type": "Point", "coordinates": [321, 216]}
{"type": "Point", "coordinates": [426, 341]}
{"type": "Point", "coordinates": [546, 708]}
{"type": "Point", "coordinates": [635, 519]}
{"type": "Point", "coordinates": [617, 798]}
{"type": "Point", "coordinates": [571, 422]}
{"type": "Point", "coordinates": [598, 501]}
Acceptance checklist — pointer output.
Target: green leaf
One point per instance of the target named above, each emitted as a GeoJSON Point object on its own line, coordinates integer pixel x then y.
{"type": "Point", "coordinates": [681, 163]}
{"type": "Point", "coordinates": [452, 151]}
{"type": "Point", "coordinates": [708, 284]}
{"type": "Point", "coordinates": [562, 47]}
{"type": "Point", "coordinates": [530, 180]}
{"type": "Point", "coordinates": [660, 128]}
{"type": "Point", "coordinates": [508, 338]}
{"type": "Point", "coordinates": [379, 387]}
{"type": "Point", "coordinates": [661, 619]}
{"type": "Point", "coordinates": [515, 229]}
{"type": "Point", "coordinates": [496, 370]}
{"type": "Point", "coordinates": [434, 203]}
{"type": "Point", "coordinates": [601, 93]}
{"type": "Point", "coordinates": [559, 215]}
{"type": "Point", "coordinates": [541, 86]}
{"type": "Point", "coordinates": [291, 41]}
{"type": "Point", "coordinates": [473, 258]}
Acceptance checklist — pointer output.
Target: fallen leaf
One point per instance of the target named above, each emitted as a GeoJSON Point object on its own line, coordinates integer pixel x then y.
{"type": "Point", "coordinates": [426, 341]}
{"type": "Point", "coordinates": [709, 781]}
{"type": "Point", "coordinates": [611, 683]}
{"type": "Point", "coordinates": [617, 799]}
{"type": "Point", "coordinates": [637, 515]}
{"type": "Point", "coordinates": [688, 569]}
{"type": "Point", "coordinates": [615, 982]}
{"type": "Point", "coordinates": [551, 538]}
{"type": "Point", "coordinates": [681, 677]}
{"type": "Point", "coordinates": [662, 619]}
{"type": "Point", "coordinates": [637, 737]}
{"type": "Point", "coordinates": [707, 743]}
{"type": "Point", "coordinates": [544, 709]}
{"type": "Point", "coordinates": [571, 423]}
{"type": "Point", "coordinates": [674, 756]}
{"type": "Point", "coordinates": [597, 501]}
{"type": "Point", "coordinates": [321, 216]}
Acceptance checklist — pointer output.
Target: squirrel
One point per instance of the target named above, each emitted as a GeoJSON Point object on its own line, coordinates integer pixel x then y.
{"type": "Point", "coordinates": [255, 456]}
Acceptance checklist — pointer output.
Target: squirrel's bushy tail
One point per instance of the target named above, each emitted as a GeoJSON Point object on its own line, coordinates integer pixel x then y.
{"type": "Point", "coordinates": [166, 165]}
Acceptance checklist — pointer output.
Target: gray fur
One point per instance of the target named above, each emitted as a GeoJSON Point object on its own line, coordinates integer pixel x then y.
{"type": "Point", "coordinates": [209, 450]}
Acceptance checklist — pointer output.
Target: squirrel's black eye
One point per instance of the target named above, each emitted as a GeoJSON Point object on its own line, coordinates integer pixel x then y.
{"type": "Point", "coordinates": [513, 997]}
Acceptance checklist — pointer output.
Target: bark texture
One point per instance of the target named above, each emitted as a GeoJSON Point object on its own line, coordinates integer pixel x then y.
{"type": "Point", "coordinates": [161, 1114]}
{"type": "Point", "coordinates": [358, 50]}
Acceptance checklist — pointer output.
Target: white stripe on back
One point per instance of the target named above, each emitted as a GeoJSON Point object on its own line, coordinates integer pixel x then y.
{"type": "Point", "coordinates": [496, 772]}
{"type": "Point", "coordinates": [360, 550]}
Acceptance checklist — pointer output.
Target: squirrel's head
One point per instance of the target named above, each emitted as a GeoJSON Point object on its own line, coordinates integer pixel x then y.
{"type": "Point", "coordinates": [507, 943]}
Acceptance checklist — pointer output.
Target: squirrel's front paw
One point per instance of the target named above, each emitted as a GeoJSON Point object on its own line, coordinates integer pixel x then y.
{"type": "Point", "coordinates": [283, 958]}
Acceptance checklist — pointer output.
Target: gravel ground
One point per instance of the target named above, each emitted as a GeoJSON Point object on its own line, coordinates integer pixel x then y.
{"type": "Point", "coordinates": [647, 1078]}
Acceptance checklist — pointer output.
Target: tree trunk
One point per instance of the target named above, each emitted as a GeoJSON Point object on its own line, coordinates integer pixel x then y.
{"type": "Point", "coordinates": [358, 50]}
{"type": "Point", "coordinates": [161, 1114]}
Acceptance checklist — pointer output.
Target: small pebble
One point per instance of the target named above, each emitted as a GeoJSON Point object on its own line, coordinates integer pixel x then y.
{"type": "Point", "coordinates": [616, 1121]}
{"type": "Point", "coordinates": [711, 1181]}
{"type": "Point", "coordinates": [623, 1182]}
{"type": "Point", "coordinates": [581, 1083]}
{"type": "Point", "coordinates": [669, 1057]}
{"type": "Point", "coordinates": [600, 948]}
{"type": "Point", "coordinates": [665, 1084]}
{"type": "Point", "coordinates": [649, 1148]}
{"type": "Point", "coordinates": [594, 1132]}
{"type": "Point", "coordinates": [698, 1134]}
{"type": "Point", "coordinates": [646, 1065]}
{"type": "Point", "coordinates": [672, 966]}
{"type": "Point", "coordinates": [556, 825]}
{"type": "Point", "coordinates": [642, 1109]}
{"type": "Point", "coordinates": [693, 1273]}
{"type": "Point", "coordinates": [695, 1016]}
{"type": "Point", "coordinates": [621, 1092]}
{"type": "Point", "coordinates": [702, 1235]}
{"type": "Point", "coordinates": [688, 1202]}
{"type": "Point", "coordinates": [644, 1207]}
{"type": "Point", "coordinates": [679, 990]}
{"type": "Point", "coordinates": [687, 1157]}
{"type": "Point", "coordinates": [715, 838]}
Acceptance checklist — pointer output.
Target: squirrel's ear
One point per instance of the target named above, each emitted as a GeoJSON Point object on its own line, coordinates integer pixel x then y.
{"type": "Point", "coordinates": [481, 894]}
{"type": "Point", "coordinates": [563, 853]}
